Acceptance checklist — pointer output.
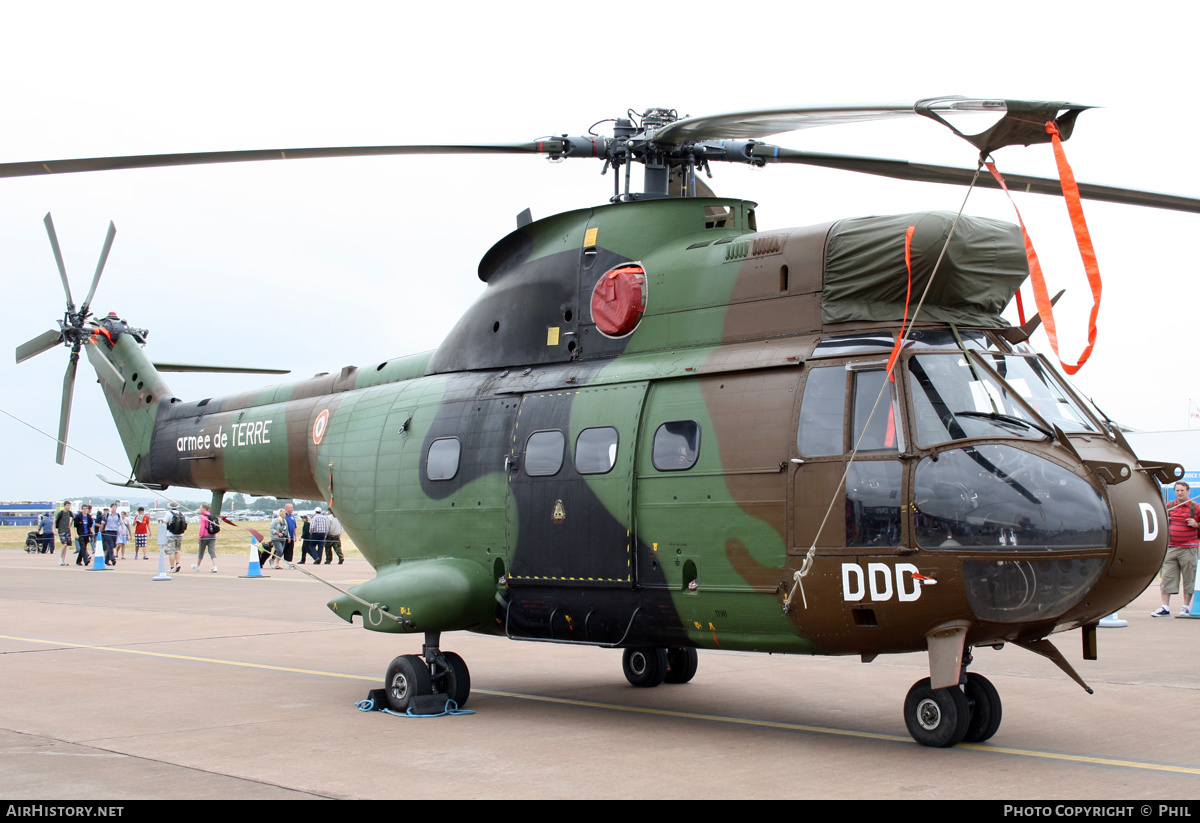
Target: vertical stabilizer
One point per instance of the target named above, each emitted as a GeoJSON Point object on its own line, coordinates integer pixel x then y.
{"type": "Point", "coordinates": [132, 386]}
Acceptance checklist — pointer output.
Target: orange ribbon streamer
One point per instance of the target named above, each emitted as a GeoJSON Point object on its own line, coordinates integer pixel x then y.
{"type": "Point", "coordinates": [1087, 254]}
{"type": "Point", "coordinates": [891, 364]}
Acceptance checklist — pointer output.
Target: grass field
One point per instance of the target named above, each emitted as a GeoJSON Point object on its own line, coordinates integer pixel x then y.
{"type": "Point", "coordinates": [232, 540]}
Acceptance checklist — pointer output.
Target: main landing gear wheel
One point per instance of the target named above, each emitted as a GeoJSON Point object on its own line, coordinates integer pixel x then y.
{"type": "Point", "coordinates": [407, 677]}
{"type": "Point", "coordinates": [645, 666]}
{"type": "Point", "coordinates": [455, 681]}
{"type": "Point", "coordinates": [681, 665]}
{"type": "Point", "coordinates": [985, 708]}
{"type": "Point", "coordinates": [936, 717]}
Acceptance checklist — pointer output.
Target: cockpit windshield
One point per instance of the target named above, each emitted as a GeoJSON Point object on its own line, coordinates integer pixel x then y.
{"type": "Point", "coordinates": [989, 394]}
{"type": "Point", "coordinates": [956, 397]}
{"type": "Point", "coordinates": [1039, 387]}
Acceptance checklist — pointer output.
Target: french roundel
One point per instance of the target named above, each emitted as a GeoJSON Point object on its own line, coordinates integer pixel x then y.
{"type": "Point", "coordinates": [619, 300]}
{"type": "Point", "coordinates": [319, 426]}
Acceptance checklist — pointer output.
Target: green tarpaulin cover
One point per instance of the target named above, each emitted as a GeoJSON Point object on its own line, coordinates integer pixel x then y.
{"type": "Point", "coordinates": [865, 276]}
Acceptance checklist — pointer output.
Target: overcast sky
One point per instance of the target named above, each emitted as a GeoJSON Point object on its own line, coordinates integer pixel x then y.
{"type": "Point", "coordinates": [313, 265]}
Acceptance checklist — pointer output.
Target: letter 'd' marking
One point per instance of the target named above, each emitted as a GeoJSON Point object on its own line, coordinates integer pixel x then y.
{"type": "Point", "coordinates": [850, 570]}
{"type": "Point", "coordinates": [1149, 522]}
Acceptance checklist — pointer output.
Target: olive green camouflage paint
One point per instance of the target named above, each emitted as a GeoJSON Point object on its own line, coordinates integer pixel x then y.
{"type": "Point", "coordinates": [732, 317]}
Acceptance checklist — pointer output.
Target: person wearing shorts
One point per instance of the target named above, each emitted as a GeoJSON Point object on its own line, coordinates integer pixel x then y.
{"type": "Point", "coordinates": [174, 541]}
{"type": "Point", "coordinates": [63, 523]}
{"type": "Point", "coordinates": [1183, 544]}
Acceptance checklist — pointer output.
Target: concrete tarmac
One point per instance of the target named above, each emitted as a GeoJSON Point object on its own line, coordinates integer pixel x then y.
{"type": "Point", "coordinates": [117, 687]}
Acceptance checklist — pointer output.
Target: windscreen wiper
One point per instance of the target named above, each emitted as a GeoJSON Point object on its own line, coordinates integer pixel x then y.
{"type": "Point", "coordinates": [1006, 418]}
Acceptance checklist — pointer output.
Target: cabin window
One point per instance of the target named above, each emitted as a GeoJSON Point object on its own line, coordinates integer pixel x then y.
{"type": "Point", "coordinates": [544, 453]}
{"type": "Point", "coordinates": [596, 450]}
{"type": "Point", "coordinates": [676, 445]}
{"type": "Point", "coordinates": [442, 462]}
{"type": "Point", "coordinates": [822, 412]}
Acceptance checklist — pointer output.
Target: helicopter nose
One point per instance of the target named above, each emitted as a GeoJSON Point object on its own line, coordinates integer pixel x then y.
{"type": "Point", "coordinates": [1139, 542]}
{"type": "Point", "coordinates": [1087, 557]}
{"type": "Point", "coordinates": [1042, 540]}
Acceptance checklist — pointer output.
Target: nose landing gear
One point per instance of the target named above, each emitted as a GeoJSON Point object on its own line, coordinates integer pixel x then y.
{"type": "Point", "coordinates": [985, 708]}
{"type": "Point", "coordinates": [970, 711]}
{"type": "Point", "coordinates": [936, 717]}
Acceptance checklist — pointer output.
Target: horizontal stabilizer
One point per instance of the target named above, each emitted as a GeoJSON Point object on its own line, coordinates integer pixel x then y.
{"type": "Point", "coordinates": [132, 484]}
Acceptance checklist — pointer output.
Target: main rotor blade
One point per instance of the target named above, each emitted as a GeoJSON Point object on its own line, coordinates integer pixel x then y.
{"type": "Point", "coordinates": [64, 413]}
{"type": "Point", "coordinates": [1016, 121]}
{"type": "Point", "coordinates": [108, 241]}
{"type": "Point", "coordinates": [62, 269]}
{"type": "Point", "coordinates": [755, 125]}
{"type": "Point", "coordinates": [43, 342]}
{"type": "Point", "coordinates": [904, 170]}
{"type": "Point", "coordinates": [194, 367]}
{"type": "Point", "coordinates": [146, 161]}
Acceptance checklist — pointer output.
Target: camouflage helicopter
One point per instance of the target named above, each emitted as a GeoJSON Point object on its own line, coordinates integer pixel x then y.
{"type": "Point", "coordinates": [661, 429]}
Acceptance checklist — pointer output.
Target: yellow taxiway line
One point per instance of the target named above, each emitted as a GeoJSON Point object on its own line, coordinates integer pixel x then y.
{"type": "Point", "coordinates": [711, 718]}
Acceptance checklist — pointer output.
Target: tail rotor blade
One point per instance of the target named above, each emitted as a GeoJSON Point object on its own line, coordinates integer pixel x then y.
{"type": "Point", "coordinates": [64, 415]}
{"type": "Point", "coordinates": [62, 269]}
{"type": "Point", "coordinates": [108, 241]}
{"type": "Point", "coordinates": [43, 342]}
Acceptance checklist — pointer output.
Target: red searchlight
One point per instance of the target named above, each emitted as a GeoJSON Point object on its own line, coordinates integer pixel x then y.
{"type": "Point", "coordinates": [619, 300]}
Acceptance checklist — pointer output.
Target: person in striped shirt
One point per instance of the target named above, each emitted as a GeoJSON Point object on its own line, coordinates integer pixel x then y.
{"type": "Point", "coordinates": [1183, 543]}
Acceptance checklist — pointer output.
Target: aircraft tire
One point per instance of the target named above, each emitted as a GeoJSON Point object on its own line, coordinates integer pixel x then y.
{"type": "Point", "coordinates": [681, 664]}
{"type": "Point", "coordinates": [406, 678]}
{"type": "Point", "coordinates": [986, 710]}
{"type": "Point", "coordinates": [456, 684]}
{"type": "Point", "coordinates": [936, 717]}
{"type": "Point", "coordinates": [645, 666]}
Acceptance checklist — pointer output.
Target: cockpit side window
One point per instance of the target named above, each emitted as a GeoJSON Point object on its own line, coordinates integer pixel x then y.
{"type": "Point", "coordinates": [876, 413]}
{"type": "Point", "coordinates": [822, 412]}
